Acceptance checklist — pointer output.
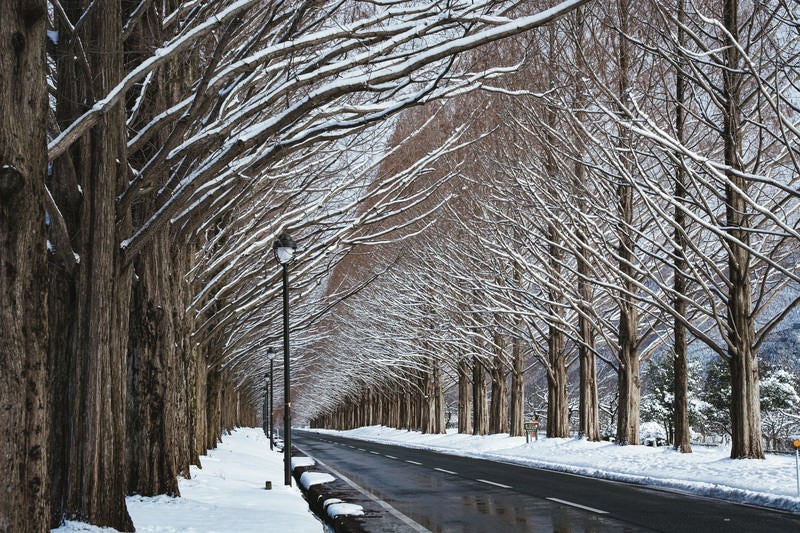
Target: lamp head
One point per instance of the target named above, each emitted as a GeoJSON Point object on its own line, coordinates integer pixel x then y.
{"type": "Point", "coordinates": [284, 248]}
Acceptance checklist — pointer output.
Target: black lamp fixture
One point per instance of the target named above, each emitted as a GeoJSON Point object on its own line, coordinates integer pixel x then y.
{"type": "Point", "coordinates": [270, 424]}
{"type": "Point", "coordinates": [284, 249]}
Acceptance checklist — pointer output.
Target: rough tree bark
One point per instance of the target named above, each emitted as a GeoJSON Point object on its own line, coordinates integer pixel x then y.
{"type": "Point", "coordinates": [743, 361]}
{"type": "Point", "coordinates": [160, 354]}
{"type": "Point", "coordinates": [588, 406]}
{"type": "Point", "coordinates": [89, 461]}
{"type": "Point", "coordinates": [517, 406]}
{"type": "Point", "coordinates": [24, 417]}
{"type": "Point", "coordinates": [464, 398]}
{"type": "Point", "coordinates": [154, 416]}
{"type": "Point", "coordinates": [480, 407]}
{"type": "Point", "coordinates": [557, 399]}
{"type": "Point", "coordinates": [498, 419]}
{"type": "Point", "coordinates": [681, 377]}
{"type": "Point", "coordinates": [439, 423]}
{"type": "Point", "coordinates": [629, 384]}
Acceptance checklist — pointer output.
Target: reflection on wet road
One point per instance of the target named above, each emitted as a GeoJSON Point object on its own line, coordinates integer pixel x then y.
{"type": "Point", "coordinates": [443, 498]}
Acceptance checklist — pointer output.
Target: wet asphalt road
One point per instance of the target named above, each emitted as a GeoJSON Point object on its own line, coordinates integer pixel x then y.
{"type": "Point", "coordinates": [428, 491]}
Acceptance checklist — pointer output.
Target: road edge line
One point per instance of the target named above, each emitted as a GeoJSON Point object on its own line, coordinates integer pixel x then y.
{"type": "Point", "coordinates": [388, 507]}
{"type": "Point", "coordinates": [579, 506]}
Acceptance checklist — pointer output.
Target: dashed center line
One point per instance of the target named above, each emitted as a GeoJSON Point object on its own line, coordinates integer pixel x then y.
{"type": "Point", "coordinates": [493, 483]}
{"type": "Point", "coordinates": [390, 456]}
{"type": "Point", "coordinates": [413, 462]}
{"type": "Point", "coordinates": [579, 506]}
{"type": "Point", "coordinates": [376, 453]}
{"type": "Point", "coordinates": [446, 471]}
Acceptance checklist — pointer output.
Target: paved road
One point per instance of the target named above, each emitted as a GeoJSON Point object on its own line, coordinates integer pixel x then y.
{"type": "Point", "coordinates": [446, 493]}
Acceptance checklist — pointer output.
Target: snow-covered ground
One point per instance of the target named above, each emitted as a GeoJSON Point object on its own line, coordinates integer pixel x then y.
{"type": "Point", "coordinates": [228, 493]}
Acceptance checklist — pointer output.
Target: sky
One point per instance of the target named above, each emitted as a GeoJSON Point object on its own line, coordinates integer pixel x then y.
{"type": "Point", "coordinates": [228, 493]}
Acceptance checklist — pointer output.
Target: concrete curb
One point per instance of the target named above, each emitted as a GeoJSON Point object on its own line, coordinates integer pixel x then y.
{"type": "Point", "coordinates": [320, 494]}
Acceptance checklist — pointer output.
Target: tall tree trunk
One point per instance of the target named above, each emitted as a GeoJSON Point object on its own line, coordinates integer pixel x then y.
{"type": "Point", "coordinates": [426, 401]}
{"type": "Point", "coordinates": [198, 400]}
{"type": "Point", "coordinates": [589, 406]}
{"type": "Point", "coordinates": [439, 425]}
{"type": "Point", "coordinates": [498, 419]}
{"type": "Point", "coordinates": [683, 435]}
{"type": "Point", "coordinates": [557, 397]}
{"type": "Point", "coordinates": [464, 398]}
{"type": "Point", "coordinates": [437, 399]}
{"type": "Point", "coordinates": [92, 451]}
{"type": "Point", "coordinates": [480, 408]}
{"type": "Point", "coordinates": [24, 416]}
{"type": "Point", "coordinates": [745, 407]}
{"type": "Point", "coordinates": [214, 411]}
{"type": "Point", "coordinates": [154, 417]}
{"type": "Point", "coordinates": [557, 400]}
{"type": "Point", "coordinates": [589, 409]}
{"type": "Point", "coordinates": [517, 407]}
{"type": "Point", "coordinates": [408, 409]}
{"type": "Point", "coordinates": [557, 404]}
{"type": "Point", "coordinates": [628, 356]}
{"type": "Point", "coordinates": [629, 388]}
{"type": "Point", "coordinates": [160, 366]}
{"type": "Point", "coordinates": [395, 407]}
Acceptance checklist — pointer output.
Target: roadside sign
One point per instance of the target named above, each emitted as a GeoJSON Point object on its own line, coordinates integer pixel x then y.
{"type": "Point", "coordinates": [796, 443]}
{"type": "Point", "coordinates": [531, 427]}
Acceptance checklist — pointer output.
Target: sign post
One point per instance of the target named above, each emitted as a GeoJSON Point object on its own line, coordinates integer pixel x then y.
{"type": "Point", "coordinates": [532, 426]}
{"type": "Point", "coordinates": [796, 444]}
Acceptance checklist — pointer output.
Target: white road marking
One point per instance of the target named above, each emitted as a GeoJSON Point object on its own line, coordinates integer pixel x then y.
{"type": "Point", "coordinates": [493, 483]}
{"type": "Point", "coordinates": [446, 471]}
{"type": "Point", "coordinates": [413, 462]}
{"type": "Point", "coordinates": [376, 453]}
{"type": "Point", "coordinates": [390, 456]}
{"type": "Point", "coordinates": [579, 506]}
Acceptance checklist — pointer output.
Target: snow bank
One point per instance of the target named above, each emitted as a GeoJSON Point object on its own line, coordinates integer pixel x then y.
{"type": "Point", "coordinates": [308, 479]}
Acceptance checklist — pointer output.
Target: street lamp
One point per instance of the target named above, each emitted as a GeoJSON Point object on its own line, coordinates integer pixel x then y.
{"type": "Point", "coordinates": [284, 249]}
{"type": "Point", "coordinates": [265, 408]}
{"type": "Point", "coordinates": [268, 415]}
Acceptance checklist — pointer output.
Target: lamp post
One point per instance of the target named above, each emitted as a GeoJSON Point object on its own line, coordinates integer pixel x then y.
{"type": "Point", "coordinates": [265, 408]}
{"type": "Point", "coordinates": [284, 249]}
{"type": "Point", "coordinates": [271, 355]}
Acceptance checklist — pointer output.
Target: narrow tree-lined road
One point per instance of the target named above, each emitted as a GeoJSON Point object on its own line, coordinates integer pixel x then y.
{"type": "Point", "coordinates": [449, 493]}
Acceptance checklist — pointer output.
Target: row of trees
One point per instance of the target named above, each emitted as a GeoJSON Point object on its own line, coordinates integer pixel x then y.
{"type": "Point", "coordinates": [150, 152]}
{"type": "Point", "coordinates": [631, 189]}
{"type": "Point", "coordinates": [636, 195]}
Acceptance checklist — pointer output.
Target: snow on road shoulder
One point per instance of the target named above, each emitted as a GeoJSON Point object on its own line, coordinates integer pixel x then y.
{"type": "Point", "coordinates": [771, 482]}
